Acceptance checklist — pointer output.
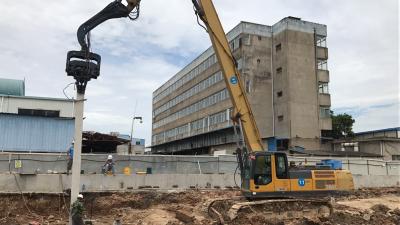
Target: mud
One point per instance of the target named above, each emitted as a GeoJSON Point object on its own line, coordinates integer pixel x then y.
{"type": "Point", "coordinates": [366, 206]}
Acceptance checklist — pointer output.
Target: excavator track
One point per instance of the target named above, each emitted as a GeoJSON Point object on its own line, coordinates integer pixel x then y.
{"type": "Point", "coordinates": [227, 210]}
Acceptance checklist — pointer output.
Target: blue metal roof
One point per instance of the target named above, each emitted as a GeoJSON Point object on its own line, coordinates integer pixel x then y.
{"type": "Point", "coordinates": [377, 131]}
{"type": "Point", "coordinates": [35, 134]}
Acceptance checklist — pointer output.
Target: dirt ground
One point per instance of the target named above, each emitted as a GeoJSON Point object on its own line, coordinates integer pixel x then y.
{"type": "Point", "coordinates": [366, 206]}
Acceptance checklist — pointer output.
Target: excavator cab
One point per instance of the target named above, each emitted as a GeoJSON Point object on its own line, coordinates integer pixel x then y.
{"type": "Point", "coordinates": [263, 174]}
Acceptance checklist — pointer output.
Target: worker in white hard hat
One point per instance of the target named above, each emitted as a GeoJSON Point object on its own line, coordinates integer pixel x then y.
{"type": "Point", "coordinates": [109, 166]}
{"type": "Point", "coordinates": [77, 210]}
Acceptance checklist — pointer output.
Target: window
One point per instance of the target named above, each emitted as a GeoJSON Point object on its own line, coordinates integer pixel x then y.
{"type": "Point", "coordinates": [248, 86]}
{"type": "Point", "coordinates": [279, 70]}
{"type": "Point", "coordinates": [239, 64]}
{"type": "Point", "coordinates": [278, 47]}
{"type": "Point", "coordinates": [326, 133]}
{"type": "Point", "coordinates": [280, 118]}
{"type": "Point", "coordinates": [258, 61]}
{"type": "Point", "coordinates": [325, 111]}
{"type": "Point", "coordinates": [395, 157]}
{"type": "Point", "coordinates": [280, 93]}
{"type": "Point", "coordinates": [232, 44]}
{"type": "Point", "coordinates": [322, 64]}
{"type": "Point", "coordinates": [259, 38]}
{"type": "Point", "coordinates": [321, 41]}
{"type": "Point", "coordinates": [39, 112]}
{"type": "Point", "coordinates": [262, 170]}
{"type": "Point", "coordinates": [246, 39]}
{"type": "Point", "coordinates": [281, 166]}
{"type": "Point", "coordinates": [323, 88]}
{"type": "Point", "coordinates": [282, 144]}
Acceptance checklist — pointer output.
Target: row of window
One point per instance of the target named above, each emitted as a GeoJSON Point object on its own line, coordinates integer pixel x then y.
{"type": "Point", "coordinates": [175, 84]}
{"type": "Point", "coordinates": [323, 88]}
{"type": "Point", "coordinates": [39, 112]}
{"type": "Point", "coordinates": [182, 130]}
{"type": "Point", "coordinates": [239, 41]}
{"type": "Point", "coordinates": [202, 124]}
{"type": "Point", "coordinates": [204, 103]}
{"type": "Point", "coordinates": [217, 77]}
{"type": "Point", "coordinates": [218, 118]}
{"type": "Point", "coordinates": [199, 124]}
{"type": "Point", "coordinates": [189, 76]}
{"type": "Point", "coordinates": [324, 112]}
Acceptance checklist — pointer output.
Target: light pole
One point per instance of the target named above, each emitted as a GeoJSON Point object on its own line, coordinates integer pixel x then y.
{"type": "Point", "coordinates": [133, 121]}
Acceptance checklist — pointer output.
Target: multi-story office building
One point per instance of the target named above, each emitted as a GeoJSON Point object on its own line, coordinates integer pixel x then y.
{"type": "Point", "coordinates": [285, 75]}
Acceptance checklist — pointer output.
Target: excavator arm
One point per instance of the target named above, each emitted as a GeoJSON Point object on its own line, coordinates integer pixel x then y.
{"type": "Point", "coordinates": [84, 65]}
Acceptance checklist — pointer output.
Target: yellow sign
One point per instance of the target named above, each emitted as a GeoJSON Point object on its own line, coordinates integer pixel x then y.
{"type": "Point", "coordinates": [127, 170]}
{"type": "Point", "coordinates": [18, 164]}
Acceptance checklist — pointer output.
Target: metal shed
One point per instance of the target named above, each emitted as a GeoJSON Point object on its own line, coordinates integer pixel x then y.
{"type": "Point", "coordinates": [35, 134]}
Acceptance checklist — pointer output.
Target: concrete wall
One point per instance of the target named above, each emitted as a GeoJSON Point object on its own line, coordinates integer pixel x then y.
{"type": "Point", "coordinates": [11, 183]}
{"type": "Point", "coordinates": [375, 181]}
{"type": "Point", "coordinates": [14, 183]}
{"type": "Point", "coordinates": [223, 164]}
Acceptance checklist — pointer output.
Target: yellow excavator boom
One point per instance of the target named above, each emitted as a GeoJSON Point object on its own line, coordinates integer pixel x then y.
{"type": "Point", "coordinates": [232, 76]}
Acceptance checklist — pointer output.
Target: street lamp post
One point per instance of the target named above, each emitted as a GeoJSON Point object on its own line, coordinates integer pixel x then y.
{"type": "Point", "coordinates": [133, 121]}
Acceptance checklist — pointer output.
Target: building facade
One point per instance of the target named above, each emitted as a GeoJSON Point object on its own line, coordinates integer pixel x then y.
{"type": "Point", "coordinates": [284, 71]}
{"type": "Point", "coordinates": [33, 124]}
{"type": "Point", "coordinates": [384, 142]}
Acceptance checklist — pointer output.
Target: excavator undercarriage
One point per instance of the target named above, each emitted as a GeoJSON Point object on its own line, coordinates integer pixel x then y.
{"type": "Point", "coordinates": [226, 211]}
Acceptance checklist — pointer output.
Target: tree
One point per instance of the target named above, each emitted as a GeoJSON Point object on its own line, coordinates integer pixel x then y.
{"type": "Point", "coordinates": [342, 125]}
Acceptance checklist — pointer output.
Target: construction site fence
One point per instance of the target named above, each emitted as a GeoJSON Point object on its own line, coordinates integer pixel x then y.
{"type": "Point", "coordinates": [46, 163]}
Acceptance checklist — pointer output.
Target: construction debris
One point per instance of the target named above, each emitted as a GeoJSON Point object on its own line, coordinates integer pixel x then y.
{"type": "Point", "coordinates": [367, 206]}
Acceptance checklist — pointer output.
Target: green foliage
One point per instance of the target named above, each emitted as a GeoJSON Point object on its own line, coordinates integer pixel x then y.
{"type": "Point", "coordinates": [342, 125]}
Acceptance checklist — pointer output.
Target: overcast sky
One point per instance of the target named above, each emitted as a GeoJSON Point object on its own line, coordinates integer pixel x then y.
{"type": "Point", "coordinates": [137, 57]}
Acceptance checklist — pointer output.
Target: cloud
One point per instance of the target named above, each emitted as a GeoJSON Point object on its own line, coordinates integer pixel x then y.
{"type": "Point", "coordinates": [375, 118]}
{"type": "Point", "coordinates": [138, 56]}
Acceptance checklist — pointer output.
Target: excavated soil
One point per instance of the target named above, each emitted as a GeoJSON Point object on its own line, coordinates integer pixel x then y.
{"type": "Point", "coordinates": [366, 206]}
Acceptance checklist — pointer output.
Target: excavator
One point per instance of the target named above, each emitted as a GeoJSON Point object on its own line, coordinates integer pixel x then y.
{"type": "Point", "coordinates": [266, 178]}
